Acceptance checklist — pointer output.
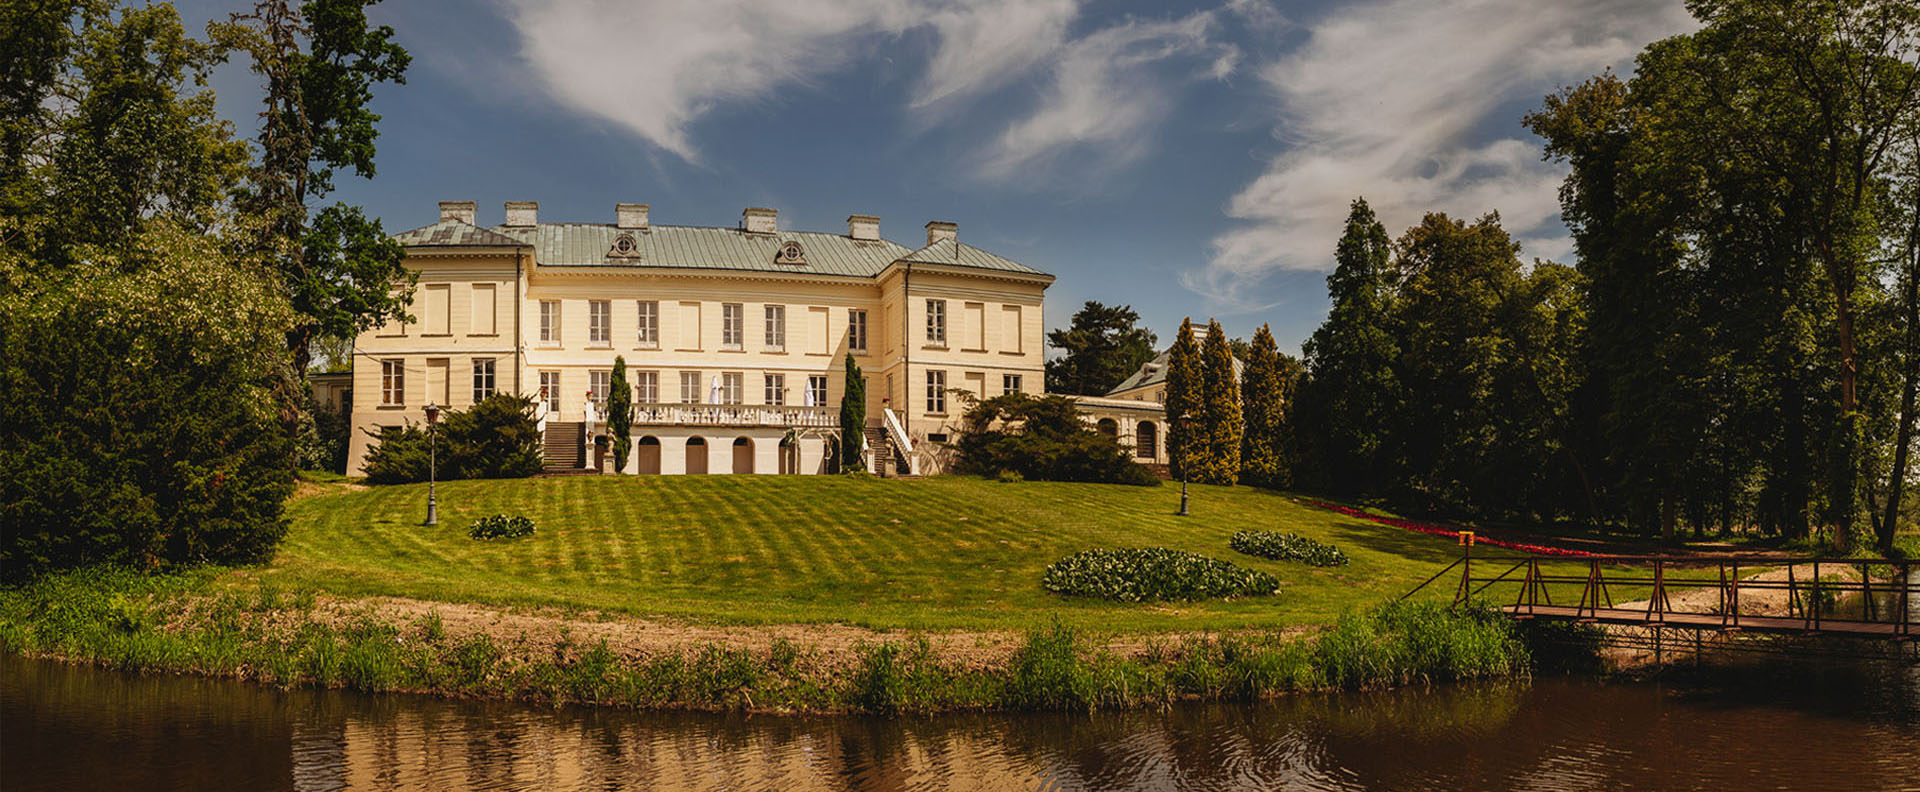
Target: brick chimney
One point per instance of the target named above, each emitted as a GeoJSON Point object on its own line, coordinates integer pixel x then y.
{"type": "Point", "coordinates": [523, 214]}
{"type": "Point", "coordinates": [759, 220]}
{"type": "Point", "coordinates": [462, 211]}
{"type": "Point", "coordinates": [938, 230]}
{"type": "Point", "coordinates": [630, 215]}
{"type": "Point", "coordinates": [863, 227]}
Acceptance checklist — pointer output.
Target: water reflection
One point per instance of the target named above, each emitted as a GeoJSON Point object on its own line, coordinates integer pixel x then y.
{"type": "Point", "coordinates": [1764, 726]}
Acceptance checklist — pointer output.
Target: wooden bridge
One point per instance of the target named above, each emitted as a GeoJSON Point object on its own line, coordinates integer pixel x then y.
{"type": "Point", "coordinates": [1839, 597]}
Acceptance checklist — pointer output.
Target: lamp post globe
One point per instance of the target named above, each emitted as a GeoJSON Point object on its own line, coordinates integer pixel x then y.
{"type": "Point", "coordinates": [433, 464]}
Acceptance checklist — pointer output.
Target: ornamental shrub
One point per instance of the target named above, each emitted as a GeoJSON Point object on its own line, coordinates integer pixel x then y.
{"type": "Point", "coordinates": [1145, 574]}
{"type": "Point", "coordinates": [1043, 439]}
{"type": "Point", "coordinates": [1288, 547]}
{"type": "Point", "coordinates": [501, 526]}
{"type": "Point", "coordinates": [496, 438]}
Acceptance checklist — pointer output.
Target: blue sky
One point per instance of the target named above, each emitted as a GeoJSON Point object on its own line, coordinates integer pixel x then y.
{"type": "Point", "coordinates": [1188, 161]}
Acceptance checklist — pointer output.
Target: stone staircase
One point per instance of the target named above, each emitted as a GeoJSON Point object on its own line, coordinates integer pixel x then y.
{"type": "Point", "coordinates": [564, 447]}
{"type": "Point", "coordinates": [882, 450]}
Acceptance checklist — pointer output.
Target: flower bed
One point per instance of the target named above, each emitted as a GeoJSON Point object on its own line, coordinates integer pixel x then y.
{"type": "Point", "coordinates": [1438, 530]}
{"type": "Point", "coordinates": [1288, 547]}
{"type": "Point", "coordinates": [1145, 574]}
{"type": "Point", "coordinates": [501, 526]}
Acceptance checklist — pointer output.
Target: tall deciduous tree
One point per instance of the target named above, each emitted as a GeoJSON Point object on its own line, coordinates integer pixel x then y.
{"type": "Point", "coordinates": [1352, 392]}
{"type": "Point", "coordinates": [620, 414]}
{"type": "Point", "coordinates": [1187, 445]}
{"type": "Point", "coordinates": [853, 417]}
{"type": "Point", "coordinates": [1261, 457]}
{"type": "Point", "coordinates": [1104, 345]}
{"type": "Point", "coordinates": [1220, 404]}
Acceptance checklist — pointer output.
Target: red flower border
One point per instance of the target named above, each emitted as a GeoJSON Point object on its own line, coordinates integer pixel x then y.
{"type": "Point", "coordinates": [1437, 530]}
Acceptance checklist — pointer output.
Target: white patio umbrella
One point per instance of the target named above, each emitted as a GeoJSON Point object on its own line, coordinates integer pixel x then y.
{"type": "Point", "coordinates": [713, 394]}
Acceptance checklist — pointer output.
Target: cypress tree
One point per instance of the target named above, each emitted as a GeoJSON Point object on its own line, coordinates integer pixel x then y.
{"type": "Point", "coordinates": [1260, 391]}
{"type": "Point", "coordinates": [620, 414]}
{"type": "Point", "coordinates": [1183, 405]}
{"type": "Point", "coordinates": [1220, 397]}
{"type": "Point", "coordinates": [853, 417]}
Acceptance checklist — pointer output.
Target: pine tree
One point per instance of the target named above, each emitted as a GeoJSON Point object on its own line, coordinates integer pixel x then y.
{"type": "Point", "coordinates": [620, 414]}
{"type": "Point", "coordinates": [853, 417]}
{"type": "Point", "coordinates": [1260, 391]}
{"type": "Point", "coordinates": [1220, 397]}
{"type": "Point", "coordinates": [1183, 405]}
{"type": "Point", "coordinates": [1350, 396]}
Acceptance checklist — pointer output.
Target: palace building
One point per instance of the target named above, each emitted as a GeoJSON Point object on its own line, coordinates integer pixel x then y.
{"type": "Point", "coordinates": [735, 339]}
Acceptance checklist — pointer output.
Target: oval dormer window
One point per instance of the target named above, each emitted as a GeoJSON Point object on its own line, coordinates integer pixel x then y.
{"type": "Point", "coordinates": [790, 253]}
{"type": "Point", "coordinates": [624, 245]}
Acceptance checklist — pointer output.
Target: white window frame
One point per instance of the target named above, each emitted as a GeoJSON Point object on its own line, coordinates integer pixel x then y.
{"type": "Point", "coordinates": [550, 321]}
{"type": "Point", "coordinates": [646, 387]}
{"type": "Point", "coordinates": [857, 329]}
{"type": "Point", "coordinates": [817, 389]}
{"type": "Point", "coordinates": [936, 391]}
{"type": "Point", "coordinates": [648, 336]}
{"type": "Point", "coordinates": [731, 385]}
{"type": "Point", "coordinates": [776, 327]}
{"type": "Point", "coordinates": [393, 383]}
{"type": "Point", "coordinates": [1009, 384]}
{"type": "Point", "coordinates": [483, 379]}
{"type": "Point", "coordinates": [776, 389]}
{"type": "Point", "coordinates": [600, 322]}
{"type": "Point", "coordinates": [599, 386]}
{"type": "Point", "coordinates": [733, 326]}
{"type": "Point", "coordinates": [690, 387]}
{"type": "Point", "coordinates": [937, 322]}
{"type": "Point", "coordinates": [550, 390]}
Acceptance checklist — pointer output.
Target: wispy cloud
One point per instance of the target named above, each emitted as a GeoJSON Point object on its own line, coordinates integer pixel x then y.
{"type": "Point", "coordinates": [985, 44]}
{"type": "Point", "coordinates": [1108, 89]}
{"type": "Point", "coordinates": [1394, 101]}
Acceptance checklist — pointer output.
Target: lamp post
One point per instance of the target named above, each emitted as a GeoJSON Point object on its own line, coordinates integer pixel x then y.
{"type": "Point", "coordinates": [1181, 449]}
{"type": "Point", "coordinates": [433, 463]}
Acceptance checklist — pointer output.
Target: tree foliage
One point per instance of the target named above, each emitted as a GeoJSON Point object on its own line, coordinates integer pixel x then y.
{"type": "Point", "coordinates": [1103, 345]}
{"type": "Point", "coordinates": [1352, 393]}
{"type": "Point", "coordinates": [497, 438]}
{"type": "Point", "coordinates": [1263, 457]}
{"type": "Point", "coordinates": [1220, 411]}
{"type": "Point", "coordinates": [620, 413]}
{"type": "Point", "coordinates": [1186, 432]}
{"type": "Point", "coordinates": [1043, 439]}
{"type": "Point", "coordinates": [853, 417]}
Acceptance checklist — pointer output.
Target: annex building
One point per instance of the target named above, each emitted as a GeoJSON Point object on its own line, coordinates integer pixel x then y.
{"type": "Point", "coordinates": [735, 338]}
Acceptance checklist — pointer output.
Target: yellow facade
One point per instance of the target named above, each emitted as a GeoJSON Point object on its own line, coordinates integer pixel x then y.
{"type": "Point", "coordinates": [752, 336]}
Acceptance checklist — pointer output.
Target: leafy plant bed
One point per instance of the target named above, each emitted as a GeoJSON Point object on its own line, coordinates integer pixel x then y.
{"type": "Point", "coordinates": [1146, 574]}
{"type": "Point", "coordinates": [1288, 547]}
{"type": "Point", "coordinates": [501, 526]}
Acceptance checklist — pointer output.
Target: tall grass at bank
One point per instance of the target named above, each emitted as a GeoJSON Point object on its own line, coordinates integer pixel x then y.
{"type": "Point", "coordinates": [178, 624]}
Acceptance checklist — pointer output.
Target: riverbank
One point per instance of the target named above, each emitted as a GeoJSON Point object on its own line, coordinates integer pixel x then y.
{"type": "Point", "coordinates": [188, 624]}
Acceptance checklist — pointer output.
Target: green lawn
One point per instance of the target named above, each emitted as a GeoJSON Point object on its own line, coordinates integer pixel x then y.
{"type": "Point", "coordinates": [944, 552]}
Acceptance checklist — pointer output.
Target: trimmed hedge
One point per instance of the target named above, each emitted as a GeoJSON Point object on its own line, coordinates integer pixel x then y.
{"type": "Point", "coordinates": [501, 526]}
{"type": "Point", "coordinates": [1146, 574]}
{"type": "Point", "coordinates": [1288, 547]}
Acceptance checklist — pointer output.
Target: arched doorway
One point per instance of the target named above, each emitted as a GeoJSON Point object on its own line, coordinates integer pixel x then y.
{"type": "Point", "coordinates": [696, 455]}
{"type": "Point", "coordinates": [742, 455]}
{"type": "Point", "coordinates": [1108, 427]}
{"type": "Point", "coordinates": [646, 455]}
{"type": "Point", "coordinates": [1147, 444]}
{"type": "Point", "coordinates": [789, 456]}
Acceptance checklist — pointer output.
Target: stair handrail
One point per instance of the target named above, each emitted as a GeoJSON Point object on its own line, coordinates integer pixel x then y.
{"type": "Point", "coordinates": [898, 433]}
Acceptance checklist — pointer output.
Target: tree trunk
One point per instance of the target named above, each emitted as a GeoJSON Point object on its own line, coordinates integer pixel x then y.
{"type": "Point", "coordinates": [1909, 388]}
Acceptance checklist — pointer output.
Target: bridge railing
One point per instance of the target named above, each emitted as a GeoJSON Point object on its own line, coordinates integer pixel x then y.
{"type": "Point", "coordinates": [1862, 596]}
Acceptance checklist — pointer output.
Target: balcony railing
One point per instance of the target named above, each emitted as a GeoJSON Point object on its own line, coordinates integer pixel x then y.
{"type": "Point", "coordinates": [733, 415]}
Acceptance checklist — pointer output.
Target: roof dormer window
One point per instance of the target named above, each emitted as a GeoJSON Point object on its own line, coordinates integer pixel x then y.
{"type": "Point", "coordinates": [790, 253]}
{"type": "Point", "coordinates": [624, 246]}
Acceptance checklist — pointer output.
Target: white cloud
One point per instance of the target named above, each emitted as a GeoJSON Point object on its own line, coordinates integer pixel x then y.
{"type": "Point", "coordinates": [984, 44]}
{"type": "Point", "coordinates": [1108, 89]}
{"type": "Point", "coordinates": [1392, 101]}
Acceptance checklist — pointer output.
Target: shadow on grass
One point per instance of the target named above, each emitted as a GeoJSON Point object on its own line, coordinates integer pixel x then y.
{"type": "Point", "coordinates": [1416, 547]}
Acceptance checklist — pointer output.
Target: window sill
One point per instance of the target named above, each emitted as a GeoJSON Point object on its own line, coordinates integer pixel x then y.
{"type": "Point", "coordinates": [980, 350]}
{"type": "Point", "coordinates": [779, 350]}
{"type": "Point", "coordinates": [483, 335]}
{"type": "Point", "coordinates": [436, 335]}
{"type": "Point", "coordinates": [939, 347]}
{"type": "Point", "coordinates": [1011, 352]}
{"type": "Point", "coordinates": [546, 345]}
{"type": "Point", "coordinates": [647, 348]}
{"type": "Point", "coordinates": [600, 346]}
{"type": "Point", "coordinates": [735, 350]}
{"type": "Point", "coordinates": [391, 407]}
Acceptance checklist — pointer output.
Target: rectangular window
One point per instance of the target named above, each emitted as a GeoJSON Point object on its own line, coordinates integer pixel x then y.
{"type": "Point", "coordinates": [937, 322]}
{"type": "Point", "coordinates": [1009, 384]}
{"type": "Point", "coordinates": [818, 338]}
{"type": "Point", "coordinates": [599, 384]}
{"type": "Point", "coordinates": [816, 391]}
{"type": "Point", "coordinates": [439, 300]}
{"type": "Point", "coordinates": [649, 324]}
{"type": "Point", "coordinates": [393, 382]}
{"type": "Point", "coordinates": [777, 328]}
{"type": "Point", "coordinates": [690, 325]}
{"type": "Point", "coordinates": [731, 385]}
{"type": "Point", "coordinates": [936, 392]}
{"type": "Point", "coordinates": [1010, 332]}
{"type": "Point", "coordinates": [857, 330]}
{"type": "Point", "coordinates": [484, 309]}
{"type": "Point", "coordinates": [776, 389]}
{"type": "Point", "coordinates": [733, 320]}
{"type": "Point", "coordinates": [690, 387]}
{"type": "Point", "coordinates": [482, 379]}
{"type": "Point", "coordinates": [549, 321]}
{"type": "Point", "coordinates": [599, 322]}
{"type": "Point", "coordinates": [550, 389]}
{"type": "Point", "coordinates": [646, 387]}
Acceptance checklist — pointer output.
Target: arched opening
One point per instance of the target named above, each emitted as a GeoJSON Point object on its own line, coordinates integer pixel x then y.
{"type": "Point", "coordinates": [1147, 443]}
{"type": "Point", "coordinates": [1108, 427]}
{"type": "Point", "coordinates": [742, 455]}
{"type": "Point", "coordinates": [789, 456]}
{"type": "Point", "coordinates": [696, 455]}
{"type": "Point", "coordinates": [646, 454]}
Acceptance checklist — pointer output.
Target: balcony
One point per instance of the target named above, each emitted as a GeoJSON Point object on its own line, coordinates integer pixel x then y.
{"type": "Point", "coordinates": [734, 415]}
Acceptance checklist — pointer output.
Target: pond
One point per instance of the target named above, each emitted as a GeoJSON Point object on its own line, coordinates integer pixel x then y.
{"type": "Point", "coordinates": [1777, 725]}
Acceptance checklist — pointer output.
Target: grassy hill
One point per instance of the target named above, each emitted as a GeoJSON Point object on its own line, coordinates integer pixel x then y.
{"type": "Point", "coordinates": [938, 553]}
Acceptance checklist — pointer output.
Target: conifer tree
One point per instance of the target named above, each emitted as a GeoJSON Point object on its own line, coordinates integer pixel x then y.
{"type": "Point", "coordinates": [1350, 397]}
{"type": "Point", "coordinates": [853, 417]}
{"type": "Point", "coordinates": [1184, 420]}
{"type": "Point", "coordinates": [1220, 403]}
{"type": "Point", "coordinates": [1260, 391]}
{"type": "Point", "coordinates": [620, 414]}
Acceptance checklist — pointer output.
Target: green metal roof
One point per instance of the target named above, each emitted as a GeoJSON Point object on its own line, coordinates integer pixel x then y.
{"type": "Point", "coordinates": [1154, 372]}
{"type": "Point", "coordinates": [705, 248]}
